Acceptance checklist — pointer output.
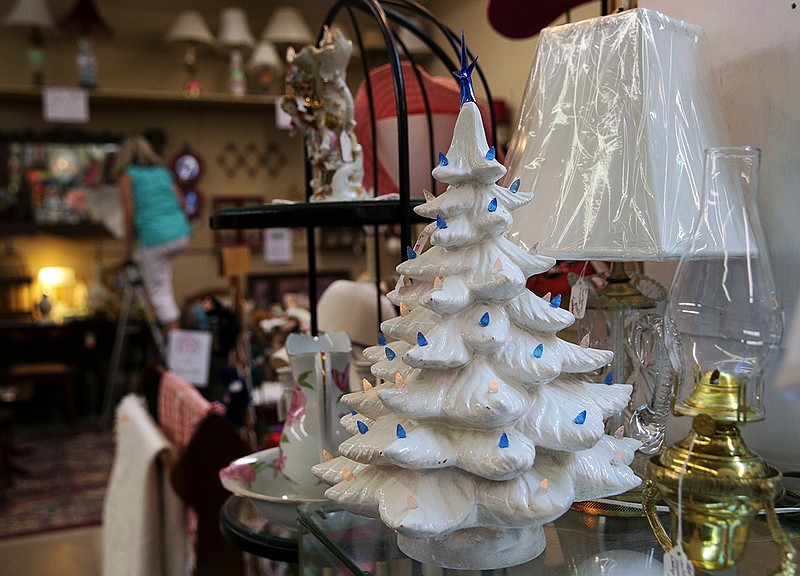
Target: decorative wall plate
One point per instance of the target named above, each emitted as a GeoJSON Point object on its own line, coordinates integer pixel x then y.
{"type": "Point", "coordinates": [188, 166]}
{"type": "Point", "coordinates": [193, 201]}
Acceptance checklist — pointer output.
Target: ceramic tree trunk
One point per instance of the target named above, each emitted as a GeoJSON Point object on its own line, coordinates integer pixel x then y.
{"type": "Point", "coordinates": [479, 428]}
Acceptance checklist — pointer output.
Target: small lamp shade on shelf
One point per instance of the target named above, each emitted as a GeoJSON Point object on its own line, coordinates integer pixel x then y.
{"type": "Point", "coordinates": [267, 65]}
{"type": "Point", "coordinates": [287, 27]}
{"type": "Point", "coordinates": [30, 14]}
{"type": "Point", "coordinates": [190, 29]}
{"type": "Point", "coordinates": [234, 33]}
{"type": "Point", "coordinates": [35, 17]}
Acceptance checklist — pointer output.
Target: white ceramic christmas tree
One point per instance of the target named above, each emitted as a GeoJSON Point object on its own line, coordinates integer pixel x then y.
{"type": "Point", "coordinates": [478, 433]}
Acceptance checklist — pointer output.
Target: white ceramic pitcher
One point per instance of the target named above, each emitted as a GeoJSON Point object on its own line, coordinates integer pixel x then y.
{"type": "Point", "coordinates": [320, 377]}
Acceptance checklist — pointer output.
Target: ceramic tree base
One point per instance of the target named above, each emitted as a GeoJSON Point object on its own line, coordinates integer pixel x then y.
{"type": "Point", "coordinates": [481, 548]}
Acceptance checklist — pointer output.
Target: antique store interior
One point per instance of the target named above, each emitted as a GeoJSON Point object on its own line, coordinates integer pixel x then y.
{"type": "Point", "coordinates": [630, 258]}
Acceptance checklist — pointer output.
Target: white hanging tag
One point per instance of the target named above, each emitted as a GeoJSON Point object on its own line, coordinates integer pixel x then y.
{"type": "Point", "coordinates": [676, 563]}
{"type": "Point", "coordinates": [578, 297]}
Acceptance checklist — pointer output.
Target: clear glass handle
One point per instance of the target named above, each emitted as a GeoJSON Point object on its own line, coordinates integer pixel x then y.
{"type": "Point", "coordinates": [649, 421]}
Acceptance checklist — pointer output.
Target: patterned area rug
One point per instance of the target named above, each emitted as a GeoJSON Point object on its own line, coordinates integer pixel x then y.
{"type": "Point", "coordinates": [63, 484]}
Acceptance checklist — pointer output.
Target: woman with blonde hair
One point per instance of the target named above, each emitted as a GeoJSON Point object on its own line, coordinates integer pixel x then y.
{"type": "Point", "coordinates": [155, 222]}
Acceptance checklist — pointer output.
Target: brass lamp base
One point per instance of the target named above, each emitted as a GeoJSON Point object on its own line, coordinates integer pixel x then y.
{"type": "Point", "coordinates": [619, 292]}
{"type": "Point", "coordinates": [724, 486]}
{"type": "Point", "coordinates": [625, 505]}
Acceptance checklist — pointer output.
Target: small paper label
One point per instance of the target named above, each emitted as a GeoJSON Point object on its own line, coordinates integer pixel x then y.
{"type": "Point", "coordinates": [278, 246]}
{"type": "Point", "coordinates": [578, 297]}
{"type": "Point", "coordinates": [69, 105]}
{"type": "Point", "coordinates": [189, 355]}
{"type": "Point", "coordinates": [677, 564]}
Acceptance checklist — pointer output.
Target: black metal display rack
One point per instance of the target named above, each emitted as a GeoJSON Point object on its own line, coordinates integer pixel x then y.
{"type": "Point", "coordinates": [389, 16]}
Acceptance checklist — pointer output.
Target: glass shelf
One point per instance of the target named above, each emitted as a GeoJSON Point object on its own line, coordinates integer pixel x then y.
{"type": "Point", "coordinates": [243, 525]}
{"type": "Point", "coordinates": [312, 214]}
{"type": "Point", "coordinates": [577, 543]}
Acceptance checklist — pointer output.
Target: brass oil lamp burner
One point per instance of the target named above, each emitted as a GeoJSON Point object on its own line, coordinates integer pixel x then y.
{"type": "Point", "coordinates": [723, 329]}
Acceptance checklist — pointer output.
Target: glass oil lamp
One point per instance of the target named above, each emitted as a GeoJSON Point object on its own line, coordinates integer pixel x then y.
{"type": "Point", "coordinates": [723, 330]}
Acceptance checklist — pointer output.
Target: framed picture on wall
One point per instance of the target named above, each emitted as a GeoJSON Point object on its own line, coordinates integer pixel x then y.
{"type": "Point", "coordinates": [250, 237]}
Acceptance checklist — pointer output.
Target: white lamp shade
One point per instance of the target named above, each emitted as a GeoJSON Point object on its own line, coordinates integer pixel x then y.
{"type": "Point", "coordinates": [234, 30]}
{"type": "Point", "coordinates": [616, 118]}
{"type": "Point", "coordinates": [350, 306]}
{"type": "Point", "coordinates": [265, 55]}
{"type": "Point", "coordinates": [287, 26]}
{"type": "Point", "coordinates": [190, 26]}
{"type": "Point", "coordinates": [30, 14]}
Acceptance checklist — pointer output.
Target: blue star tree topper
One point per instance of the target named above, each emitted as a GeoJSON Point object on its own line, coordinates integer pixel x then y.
{"type": "Point", "coordinates": [465, 74]}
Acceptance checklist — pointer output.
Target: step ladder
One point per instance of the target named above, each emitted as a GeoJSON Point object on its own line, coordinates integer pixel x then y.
{"type": "Point", "coordinates": [115, 381]}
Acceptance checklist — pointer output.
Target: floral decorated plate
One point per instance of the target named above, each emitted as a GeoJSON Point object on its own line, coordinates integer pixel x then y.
{"type": "Point", "coordinates": [258, 477]}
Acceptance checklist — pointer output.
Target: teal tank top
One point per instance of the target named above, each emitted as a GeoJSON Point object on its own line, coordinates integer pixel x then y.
{"type": "Point", "coordinates": [159, 217]}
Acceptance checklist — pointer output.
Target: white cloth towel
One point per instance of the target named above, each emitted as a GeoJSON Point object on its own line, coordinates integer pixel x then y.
{"type": "Point", "coordinates": [144, 529]}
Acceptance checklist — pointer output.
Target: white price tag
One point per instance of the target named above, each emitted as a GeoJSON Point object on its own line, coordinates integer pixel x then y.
{"type": "Point", "coordinates": [578, 297]}
{"type": "Point", "coordinates": [346, 146]}
{"type": "Point", "coordinates": [676, 563]}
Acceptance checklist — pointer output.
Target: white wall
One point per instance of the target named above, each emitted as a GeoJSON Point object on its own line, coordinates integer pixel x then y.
{"type": "Point", "coordinates": [753, 49]}
{"type": "Point", "coordinates": [506, 63]}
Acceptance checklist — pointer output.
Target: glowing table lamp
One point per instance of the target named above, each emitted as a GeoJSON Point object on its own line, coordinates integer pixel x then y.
{"type": "Point", "coordinates": [50, 279]}
{"type": "Point", "coordinates": [615, 118]}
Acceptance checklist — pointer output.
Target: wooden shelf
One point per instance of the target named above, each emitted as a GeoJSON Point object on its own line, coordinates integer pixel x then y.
{"type": "Point", "coordinates": [148, 98]}
{"type": "Point", "coordinates": [312, 214]}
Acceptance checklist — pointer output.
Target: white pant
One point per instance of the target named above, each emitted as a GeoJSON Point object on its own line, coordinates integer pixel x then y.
{"type": "Point", "coordinates": [156, 271]}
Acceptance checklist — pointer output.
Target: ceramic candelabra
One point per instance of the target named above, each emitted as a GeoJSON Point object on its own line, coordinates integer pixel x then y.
{"type": "Point", "coordinates": [317, 74]}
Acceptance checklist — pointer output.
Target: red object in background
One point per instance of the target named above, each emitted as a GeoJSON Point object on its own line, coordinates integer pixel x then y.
{"type": "Point", "coordinates": [524, 18]}
{"type": "Point", "coordinates": [555, 280]}
{"type": "Point", "coordinates": [443, 99]}
{"type": "Point", "coordinates": [271, 439]}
